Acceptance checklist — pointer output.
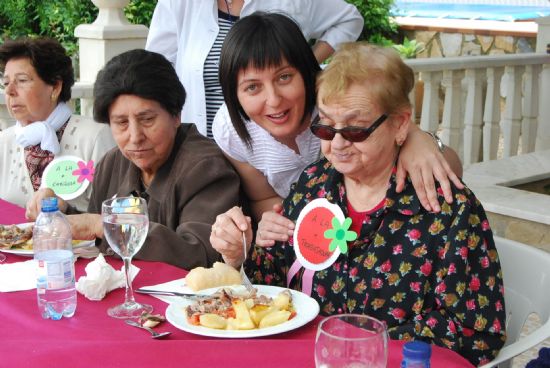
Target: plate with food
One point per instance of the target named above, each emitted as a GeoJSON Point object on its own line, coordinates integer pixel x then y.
{"type": "Point", "coordinates": [17, 239]}
{"type": "Point", "coordinates": [232, 312]}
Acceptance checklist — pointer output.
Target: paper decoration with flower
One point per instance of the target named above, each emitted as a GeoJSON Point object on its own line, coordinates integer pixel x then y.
{"type": "Point", "coordinates": [321, 234]}
{"type": "Point", "coordinates": [85, 171]}
{"type": "Point", "coordinates": [68, 176]}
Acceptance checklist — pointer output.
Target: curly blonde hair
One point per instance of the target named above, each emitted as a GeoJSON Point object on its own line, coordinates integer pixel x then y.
{"type": "Point", "coordinates": [379, 69]}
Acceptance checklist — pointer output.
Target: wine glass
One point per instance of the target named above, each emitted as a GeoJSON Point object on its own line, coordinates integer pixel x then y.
{"type": "Point", "coordinates": [125, 225]}
{"type": "Point", "coordinates": [351, 341]}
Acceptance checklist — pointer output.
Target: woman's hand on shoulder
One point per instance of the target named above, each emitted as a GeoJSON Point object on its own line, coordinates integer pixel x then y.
{"type": "Point", "coordinates": [34, 205]}
{"type": "Point", "coordinates": [227, 235]}
{"type": "Point", "coordinates": [422, 161]}
{"type": "Point", "coordinates": [274, 227]}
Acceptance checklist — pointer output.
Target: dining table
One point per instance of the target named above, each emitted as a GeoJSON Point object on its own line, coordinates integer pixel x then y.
{"type": "Point", "coordinates": [93, 339]}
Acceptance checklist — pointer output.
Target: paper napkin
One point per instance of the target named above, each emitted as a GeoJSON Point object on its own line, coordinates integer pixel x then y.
{"type": "Point", "coordinates": [101, 278]}
{"type": "Point", "coordinates": [18, 276]}
{"type": "Point", "coordinates": [174, 285]}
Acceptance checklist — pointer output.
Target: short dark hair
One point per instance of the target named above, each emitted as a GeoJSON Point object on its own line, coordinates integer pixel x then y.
{"type": "Point", "coordinates": [141, 73]}
{"type": "Point", "coordinates": [47, 56]}
{"type": "Point", "coordinates": [262, 40]}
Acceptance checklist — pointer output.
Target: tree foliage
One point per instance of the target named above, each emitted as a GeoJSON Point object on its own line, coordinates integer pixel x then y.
{"type": "Point", "coordinates": [379, 27]}
{"type": "Point", "coordinates": [59, 18]}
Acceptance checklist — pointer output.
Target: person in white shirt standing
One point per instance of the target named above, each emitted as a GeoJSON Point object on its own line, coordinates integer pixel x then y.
{"type": "Point", "coordinates": [190, 34]}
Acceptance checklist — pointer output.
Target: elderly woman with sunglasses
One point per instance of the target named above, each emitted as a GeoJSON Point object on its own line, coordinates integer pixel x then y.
{"type": "Point", "coordinates": [430, 276]}
{"type": "Point", "coordinates": [268, 73]}
{"type": "Point", "coordinates": [37, 76]}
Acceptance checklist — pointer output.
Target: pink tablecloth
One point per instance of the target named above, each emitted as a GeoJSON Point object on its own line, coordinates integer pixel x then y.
{"type": "Point", "coordinates": [93, 339]}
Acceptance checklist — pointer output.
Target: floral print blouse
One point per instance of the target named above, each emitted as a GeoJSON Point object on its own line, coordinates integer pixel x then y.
{"type": "Point", "coordinates": [430, 276]}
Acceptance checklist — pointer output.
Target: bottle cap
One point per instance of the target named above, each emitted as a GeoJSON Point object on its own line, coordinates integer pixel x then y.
{"type": "Point", "coordinates": [418, 350]}
{"type": "Point", "coordinates": [49, 204]}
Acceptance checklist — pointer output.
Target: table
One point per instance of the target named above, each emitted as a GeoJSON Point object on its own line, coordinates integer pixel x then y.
{"type": "Point", "coordinates": [92, 339]}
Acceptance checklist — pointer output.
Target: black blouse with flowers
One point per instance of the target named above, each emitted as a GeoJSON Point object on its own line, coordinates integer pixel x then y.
{"type": "Point", "coordinates": [430, 276]}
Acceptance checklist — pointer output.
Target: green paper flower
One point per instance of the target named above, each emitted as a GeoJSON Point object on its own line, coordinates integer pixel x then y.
{"type": "Point", "coordinates": [340, 235]}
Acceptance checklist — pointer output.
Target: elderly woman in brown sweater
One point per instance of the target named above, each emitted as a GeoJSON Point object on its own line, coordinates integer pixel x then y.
{"type": "Point", "coordinates": [183, 175]}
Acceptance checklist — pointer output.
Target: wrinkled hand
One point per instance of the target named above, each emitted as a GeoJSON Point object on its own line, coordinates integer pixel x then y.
{"type": "Point", "coordinates": [421, 160]}
{"type": "Point", "coordinates": [34, 205]}
{"type": "Point", "coordinates": [86, 226]}
{"type": "Point", "coordinates": [227, 235]}
{"type": "Point", "coordinates": [274, 227]}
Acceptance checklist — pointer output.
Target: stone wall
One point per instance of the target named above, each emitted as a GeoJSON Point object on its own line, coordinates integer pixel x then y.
{"type": "Point", "coordinates": [446, 44]}
{"type": "Point", "coordinates": [523, 231]}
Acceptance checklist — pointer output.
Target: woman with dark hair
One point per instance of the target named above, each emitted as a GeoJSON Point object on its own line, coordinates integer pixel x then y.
{"type": "Point", "coordinates": [37, 76]}
{"type": "Point", "coordinates": [268, 73]}
{"type": "Point", "coordinates": [182, 174]}
{"type": "Point", "coordinates": [190, 34]}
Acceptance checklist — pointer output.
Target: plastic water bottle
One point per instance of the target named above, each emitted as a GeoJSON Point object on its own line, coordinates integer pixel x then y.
{"type": "Point", "coordinates": [53, 252]}
{"type": "Point", "coordinates": [416, 354]}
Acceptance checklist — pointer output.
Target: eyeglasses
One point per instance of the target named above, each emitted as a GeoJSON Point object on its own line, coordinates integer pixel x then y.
{"type": "Point", "coordinates": [352, 134]}
{"type": "Point", "coordinates": [20, 81]}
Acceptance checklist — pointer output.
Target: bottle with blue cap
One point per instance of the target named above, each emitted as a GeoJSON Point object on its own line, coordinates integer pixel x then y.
{"type": "Point", "coordinates": [53, 252]}
{"type": "Point", "coordinates": [416, 354]}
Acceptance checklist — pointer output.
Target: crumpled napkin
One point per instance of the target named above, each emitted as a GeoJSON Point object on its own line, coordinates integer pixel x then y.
{"type": "Point", "coordinates": [18, 276]}
{"type": "Point", "coordinates": [101, 278]}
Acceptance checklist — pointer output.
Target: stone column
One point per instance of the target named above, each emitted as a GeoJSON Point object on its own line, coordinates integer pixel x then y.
{"type": "Point", "coordinates": [109, 35]}
{"type": "Point", "coordinates": [543, 133]}
{"type": "Point", "coordinates": [5, 119]}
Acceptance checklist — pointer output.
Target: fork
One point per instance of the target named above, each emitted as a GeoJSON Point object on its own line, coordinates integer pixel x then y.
{"type": "Point", "coordinates": [246, 281]}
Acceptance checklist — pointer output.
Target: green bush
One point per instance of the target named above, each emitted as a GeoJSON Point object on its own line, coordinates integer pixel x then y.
{"type": "Point", "coordinates": [59, 18]}
{"type": "Point", "coordinates": [379, 27]}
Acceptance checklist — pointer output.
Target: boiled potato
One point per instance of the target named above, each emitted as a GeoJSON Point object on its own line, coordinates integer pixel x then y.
{"type": "Point", "coordinates": [232, 324]}
{"type": "Point", "coordinates": [275, 318]}
{"type": "Point", "coordinates": [282, 301]}
{"type": "Point", "coordinates": [212, 320]}
{"type": "Point", "coordinates": [244, 322]}
{"type": "Point", "coordinates": [260, 311]}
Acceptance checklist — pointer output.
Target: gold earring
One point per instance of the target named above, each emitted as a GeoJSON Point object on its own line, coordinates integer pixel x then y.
{"type": "Point", "coordinates": [53, 97]}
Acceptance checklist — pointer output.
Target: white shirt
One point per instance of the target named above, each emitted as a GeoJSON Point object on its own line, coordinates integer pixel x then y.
{"type": "Point", "coordinates": [185, 30]}
{"type": "Point", "coordinates": [82, 137]}
{"type": "Point", "coordinates": [280, 164]}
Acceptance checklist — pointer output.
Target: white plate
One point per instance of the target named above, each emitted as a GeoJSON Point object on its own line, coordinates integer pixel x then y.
{"type": "Point", "coordinates": [30, 252]}
{"type": "Point", "coordinates": [306, 309]}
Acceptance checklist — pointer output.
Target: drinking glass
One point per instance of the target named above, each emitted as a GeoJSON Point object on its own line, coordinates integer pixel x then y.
{"type": "Point", "coordinates": [351, 341]}
{"type": "Point", "coordinates": [125, 225]}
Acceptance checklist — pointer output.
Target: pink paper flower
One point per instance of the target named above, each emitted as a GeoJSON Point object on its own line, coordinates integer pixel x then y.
{"type": "Point", "coordinates": [85, 171]}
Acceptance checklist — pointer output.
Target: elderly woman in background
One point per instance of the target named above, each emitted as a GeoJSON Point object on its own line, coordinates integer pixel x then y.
{"type": "Point", "coordinates": [183, 175]}
{"type": "Point", "coordinates": [430, 276]}
{"type": "Point", "coordinates": [37, 76]}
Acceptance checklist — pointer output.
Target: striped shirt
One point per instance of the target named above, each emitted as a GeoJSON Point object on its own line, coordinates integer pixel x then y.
{"type": "Point", "coordinates": [280, 164]}
{"type": "Point", "coordinates": [212, 87]}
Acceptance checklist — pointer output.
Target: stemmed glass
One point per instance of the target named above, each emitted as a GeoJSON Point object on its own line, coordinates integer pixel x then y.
{"type": "Point", "coordinates": [125, 225]}
{"type": "Point", "coordinates": [351, 341]}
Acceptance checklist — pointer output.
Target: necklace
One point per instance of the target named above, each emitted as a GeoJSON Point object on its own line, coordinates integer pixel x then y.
{"type": "Point", "coordinates": [229, 6]}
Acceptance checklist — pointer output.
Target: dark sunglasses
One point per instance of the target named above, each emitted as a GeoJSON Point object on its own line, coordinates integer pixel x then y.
{"type": "Point", "coordinates": [352, 134]}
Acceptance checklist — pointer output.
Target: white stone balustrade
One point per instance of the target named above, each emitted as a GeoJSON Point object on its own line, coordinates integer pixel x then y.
{"type": "Point", "coordinates": [475, 114]}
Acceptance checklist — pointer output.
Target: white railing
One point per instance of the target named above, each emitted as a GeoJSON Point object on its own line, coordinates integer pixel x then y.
{"type": "Point", "coordinates": [480, 102]}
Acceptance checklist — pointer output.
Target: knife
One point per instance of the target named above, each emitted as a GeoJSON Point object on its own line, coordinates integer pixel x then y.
{"type": "Point", "coordinates": [171, 293]}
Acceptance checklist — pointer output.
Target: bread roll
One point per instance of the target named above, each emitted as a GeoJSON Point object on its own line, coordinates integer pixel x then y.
{"type": "Point", "coordinates": [219, 275]}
